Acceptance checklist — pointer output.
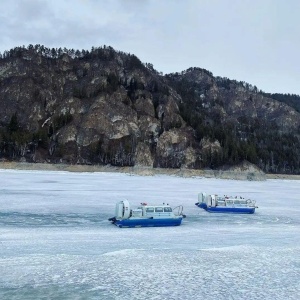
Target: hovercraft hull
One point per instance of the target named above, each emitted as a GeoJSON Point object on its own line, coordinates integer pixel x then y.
{"type": "Point", "coordinates": [145, 222]}
{"type": "Point", "coordinates": [222, 209]}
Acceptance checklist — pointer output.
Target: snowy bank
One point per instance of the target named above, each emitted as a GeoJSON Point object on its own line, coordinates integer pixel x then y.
{"type": "Point", "coordinates": [241, 172]}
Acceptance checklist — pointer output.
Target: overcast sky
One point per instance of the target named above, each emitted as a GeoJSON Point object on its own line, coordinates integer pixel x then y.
{"type": "Point", "coordinates": [256, 41]}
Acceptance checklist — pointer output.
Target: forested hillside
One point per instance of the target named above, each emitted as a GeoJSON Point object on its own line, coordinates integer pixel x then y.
{"type": "Point", "coordinates": [107, 107]}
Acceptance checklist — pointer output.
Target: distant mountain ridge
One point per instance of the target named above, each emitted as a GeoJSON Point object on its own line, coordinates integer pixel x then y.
{"type": "Point", "coordinates": [106, 107]}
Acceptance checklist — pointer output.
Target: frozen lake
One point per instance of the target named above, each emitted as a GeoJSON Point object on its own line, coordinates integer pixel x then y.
{"type": "Point", "coordinates": [56, 242]}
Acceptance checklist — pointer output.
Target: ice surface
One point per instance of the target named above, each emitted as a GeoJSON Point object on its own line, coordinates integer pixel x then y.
{"type": "Point", "coordinates": [56, 242]}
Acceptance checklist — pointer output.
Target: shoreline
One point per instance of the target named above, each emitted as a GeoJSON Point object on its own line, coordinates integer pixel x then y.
{"type": "Point", "coordinates": [141, 170]}
{"type": "Point", "coordinates": [283, 176]}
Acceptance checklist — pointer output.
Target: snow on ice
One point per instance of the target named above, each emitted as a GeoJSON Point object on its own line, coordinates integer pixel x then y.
{"type": "Point", "coordinates": [56, 241]}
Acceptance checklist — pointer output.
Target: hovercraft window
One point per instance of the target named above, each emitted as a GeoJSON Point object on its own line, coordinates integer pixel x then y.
{"type": "Point", "coordinates": [150, 209]}
{"type": "Point", "coordinates": [159, 209]}
{"type": "Point", "coordinates": [167, 209]}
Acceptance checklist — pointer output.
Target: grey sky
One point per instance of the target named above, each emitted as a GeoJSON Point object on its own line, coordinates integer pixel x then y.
{"type": "Point", "coordinates": [255, 41]}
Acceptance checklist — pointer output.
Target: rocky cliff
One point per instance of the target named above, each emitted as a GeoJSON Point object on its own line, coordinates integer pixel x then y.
{"type": "Point", "coordinates": [106, 107]}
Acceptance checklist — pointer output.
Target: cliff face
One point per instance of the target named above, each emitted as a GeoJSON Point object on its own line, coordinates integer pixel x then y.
{"type": "Point", "coordinates": [232, 99]}
{"type": "Point", "coordinates": [247, 123]}
{"type": "Point", "coordinates": [106, 107]}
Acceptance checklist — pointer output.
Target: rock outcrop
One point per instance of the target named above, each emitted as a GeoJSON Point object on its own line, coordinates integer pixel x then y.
{"type": "Point", "coordinates": [106, 107]}
{"type": "Point", "coordinates": [242, 171]}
